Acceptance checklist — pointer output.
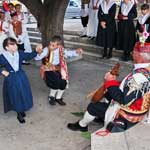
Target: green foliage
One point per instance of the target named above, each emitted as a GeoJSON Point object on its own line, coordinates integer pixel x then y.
{"type": "Point", "coordinates": [86, 135]}
{"type": "Point", "coordinates": [78, 114]}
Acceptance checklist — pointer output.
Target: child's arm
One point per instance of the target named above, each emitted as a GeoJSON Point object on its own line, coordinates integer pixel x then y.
{"type": "Point", "coordinates": [2, 71]}
{"type": "Point", "coordinates": [29, 56]}
{"type": "Point", "coordinates": [72, 53]}
{"type": "Point", "coordinates": [42, 55]}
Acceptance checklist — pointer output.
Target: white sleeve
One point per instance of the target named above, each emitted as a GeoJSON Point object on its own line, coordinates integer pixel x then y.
{"type": "Point", "coordinates": [70, 53]}
{"type": "Point", "coordinates": [6, 27]}
{"type": "Point", "coordinates": [25, 18]}
{"type": "Point", "coordinates": [42, 55]}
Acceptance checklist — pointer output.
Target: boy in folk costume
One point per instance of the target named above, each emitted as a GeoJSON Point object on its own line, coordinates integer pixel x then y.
{"type": "Point", "coordinates": [24, 19]}
{"type": "Point", "coordinates": [126, 29]}
{"type": "Point", "coordinates": [93, 19]}
{"type": "Point", "coordinates": [17, 31]}
{"type": "Point", "coordinates": [129, 99]}
{"type": "Point", "coordinates": [84, 16]}
{"type": "Point", "coordinates": [4, 29]}
{"type": "Point", "coordinates": [143, 25]}
{"type": "Point", "coordinates": [107, 27]}
{"type": "Point", "coordinates": [54, 68]}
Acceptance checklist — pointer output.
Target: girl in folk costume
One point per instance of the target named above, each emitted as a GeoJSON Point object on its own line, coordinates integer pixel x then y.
{"type": "Point", "coordinates": [93, 21]}
{"type": "Point", "coordinates": [24, 19]}
{"type": "Point", "coordinates": [106, 27]}
{"type": "Point", "coordinates": [54, 68]}
{"type": "Point", "coordinates": [4, 28]}
{"type": "Point", "coordinates": [143, 25]}
{"type": "Point", "coordinates": [126, 28]}
{"type": "Point", "coordinates": [84, 16]}
{"type": "Point", "coordinates": [17, 31]}
{"type": "Point", "coordinates": [17, 94]}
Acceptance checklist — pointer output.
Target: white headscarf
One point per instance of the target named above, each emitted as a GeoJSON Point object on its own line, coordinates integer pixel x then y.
{"type": "Point", "coordinates": [105, 7]}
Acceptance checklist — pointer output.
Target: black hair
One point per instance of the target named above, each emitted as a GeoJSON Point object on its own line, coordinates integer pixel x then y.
{"type": "Point", "coordinates": [144, 7]}
{"type": "Point", "coordinates": [17, 5]}
{"type": "Point", "coordinates": [58, 39]}
{"type": "Point", "coordinates": [11, 4]}
{"type": "Point", "coordinates": [7, 40]}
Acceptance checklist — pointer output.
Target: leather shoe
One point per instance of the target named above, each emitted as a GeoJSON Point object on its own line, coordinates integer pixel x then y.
{"type": "Point", "coordinates": [60, 102]}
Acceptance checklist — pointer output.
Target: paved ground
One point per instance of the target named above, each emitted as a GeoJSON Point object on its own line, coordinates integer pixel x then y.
{"type": "Point", "coordinates": [45, 127]}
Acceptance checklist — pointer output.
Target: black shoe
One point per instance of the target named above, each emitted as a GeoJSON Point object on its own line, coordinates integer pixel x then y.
{"type": "Point", "coordinates": [25, 63]}
{"type": "Point", "coordinates": [81, 36]}
{"type": "Point", "coordinates": [23, 114]}
{"type": "Point", "coordinates": [20, 118]}
{"type": "Point", "coordinates": [52, 100]}
{"type": "Point", "coordinates": [77, 127]}
{"type": "Point", "coordinates": [99, 120]}
{"type": "Point", "coordinates": [60, 102]}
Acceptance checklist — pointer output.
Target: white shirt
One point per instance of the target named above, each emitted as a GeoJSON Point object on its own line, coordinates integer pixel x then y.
{"type": "Point", "coordinates": [67, 54]}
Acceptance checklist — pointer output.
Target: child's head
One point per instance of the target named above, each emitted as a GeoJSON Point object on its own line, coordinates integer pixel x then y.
{"type": "Point", "coordinates": [144, 9]}
{"type": "Point", "coordinates": [11, 6]}
{"type": "Point", "coordinates": [14, 17]}
{"type": "Point", "coordinates": [10, 44]}
{"type": "Point", "coordinates": [18, 7]}
{"type": "Point", "coordinates": [2, 15]}
{"type": "Point", "coordinates": [55, 42]}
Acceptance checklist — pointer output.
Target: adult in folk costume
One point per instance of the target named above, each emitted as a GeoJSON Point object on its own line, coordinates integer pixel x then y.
{"type": "Point", "coordinates": [106, 34]}
{"type": "Point", "coordinates": [24, 19]}
{"type": "Point", "coordinates": [143, 25]}
{"type": "Point", "coordinates": [4, 29]}
{"type": "Point", "coordinates": [93, 19]}
{"type": "Point", "coordinates": [84, 16]}
{"type": "Point", "coordinates": [131, 97]}
{"type": "Point", "coordinates": [126, 29]}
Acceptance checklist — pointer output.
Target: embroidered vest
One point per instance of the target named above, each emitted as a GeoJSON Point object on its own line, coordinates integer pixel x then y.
{"type": "Point", "coordinates": [17, 27]}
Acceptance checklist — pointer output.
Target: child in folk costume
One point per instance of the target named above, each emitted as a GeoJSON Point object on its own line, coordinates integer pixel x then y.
{"type": "Point", "coordinates": [143, 25]}
{"type": "Point", "coordinates": [126, 29]}
{"type": "Point", "coordinates": [17, 31]}
{"type": "Point", "coordinates": [106, 27]}
{"type": "Point", "coordinates": [17, 94]}
{"type": "Point", "coordinates": [84, 16]}
{"type": "Point", "coordinates": [24, 19]}
{"type": "Point", "coordinates": [4, 29]}
{"type": "Point", "coordinates": [93, 20]}
{"type": "Point", "coordinates": [54, 68]}
{"type": "Point", "coordinates": [11, 11]}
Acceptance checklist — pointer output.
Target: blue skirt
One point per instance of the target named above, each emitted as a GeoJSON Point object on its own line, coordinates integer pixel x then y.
{"type": "Point", "coordinates": [17, 94]}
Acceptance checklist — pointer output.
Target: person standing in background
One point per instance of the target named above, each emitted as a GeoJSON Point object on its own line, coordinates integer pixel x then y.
{"type": "Point", "coordinates": [84, 16]}
{"type": "Point", "coordinates": [107, 27]}
{"type": "Point", "coordinates": [126, 29]}
{"type": "Point", "coordinates": [93, 19]}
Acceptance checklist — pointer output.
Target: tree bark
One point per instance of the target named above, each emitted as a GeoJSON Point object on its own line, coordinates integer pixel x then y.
{"type": "Point", "coordinates": [49, 15]}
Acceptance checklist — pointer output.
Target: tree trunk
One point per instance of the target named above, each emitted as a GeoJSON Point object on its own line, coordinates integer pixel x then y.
{"type": "Point", "coordinates": [49, 15]}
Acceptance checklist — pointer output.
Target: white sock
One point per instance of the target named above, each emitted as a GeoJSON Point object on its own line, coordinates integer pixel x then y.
{"type": "Point", "coordinates": [52, 92]}
{"type": "Point", "coordinates": [60, 94]}
{"type": "Point", "coordinates": [86, 119]}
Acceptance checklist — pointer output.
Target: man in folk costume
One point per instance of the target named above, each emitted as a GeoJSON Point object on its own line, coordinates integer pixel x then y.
{"type": "Point", "coordinates": [93, 19]}
{"type": "Point", "coordinates": [143, 25]}
{"type": "Point", "coordinates": [84, 16]}
{"type": "Point", "coordinates": [17, 31]}
{"type": "Point", "coordinates": [54, 68]}
{"type": "Point", "coordinates": [126, 29]}
{"type": "Point", "coordinates": [129, 99]}
{"type": "Point", "coordinates": [106, 27]}
{"type": "Point", "coordinates": [4, 29]}
{"type": "Point", "coordinates": [24, 19]}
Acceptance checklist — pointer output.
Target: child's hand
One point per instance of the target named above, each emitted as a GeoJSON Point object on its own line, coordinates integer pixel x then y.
{"type": "Point", "coordinates": [39, 48]}
{"type": "Point", "coordinates": [79, 51]}
{"type": "Point", "coordinates": [5, 73]}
